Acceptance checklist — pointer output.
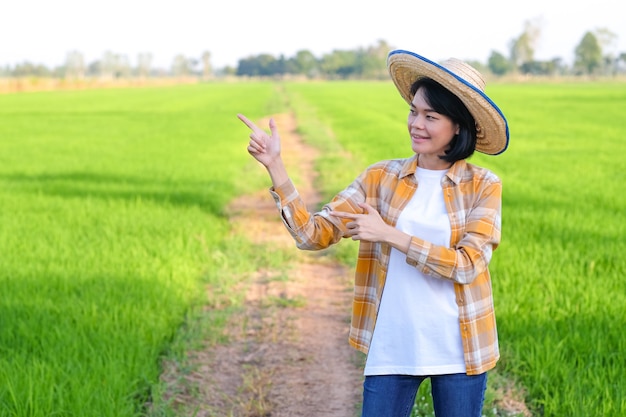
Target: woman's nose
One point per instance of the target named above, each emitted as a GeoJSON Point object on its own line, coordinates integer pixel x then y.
{"type": "Point", "coordinates": [416, 121]}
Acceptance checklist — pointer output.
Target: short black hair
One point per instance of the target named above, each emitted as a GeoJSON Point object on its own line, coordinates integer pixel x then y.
{"type": "Point", "coordinates": [443, 101]}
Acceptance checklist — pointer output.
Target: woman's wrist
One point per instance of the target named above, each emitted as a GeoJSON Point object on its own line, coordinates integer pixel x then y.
{"type": "Point", "coordinates": [399, 240]}
{"type": "Point", "coordinates": [277, 172]}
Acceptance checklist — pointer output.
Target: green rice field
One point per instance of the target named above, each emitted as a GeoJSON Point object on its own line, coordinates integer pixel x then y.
{"type": "Point", "coordinates": [113, 224]}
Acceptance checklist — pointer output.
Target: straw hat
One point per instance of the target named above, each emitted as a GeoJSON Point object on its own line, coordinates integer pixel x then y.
{"type": "Point", "coordinates": [461, 79]}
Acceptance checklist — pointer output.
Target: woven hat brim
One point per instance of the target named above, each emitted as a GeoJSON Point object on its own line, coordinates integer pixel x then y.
{"type": "Point", "coordinates": [406, 67]}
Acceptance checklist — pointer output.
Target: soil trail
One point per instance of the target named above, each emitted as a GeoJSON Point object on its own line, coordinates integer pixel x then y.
{"type": "Point", "coordinates": [288, 353]}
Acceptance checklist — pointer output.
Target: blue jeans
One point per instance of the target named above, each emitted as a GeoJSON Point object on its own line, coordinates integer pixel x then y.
{"type": "Point", "coordinates": [454, 395]}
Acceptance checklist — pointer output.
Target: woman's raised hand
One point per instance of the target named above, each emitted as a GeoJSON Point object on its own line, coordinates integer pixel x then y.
{"type": "Point", "coordinates": [264, 147]}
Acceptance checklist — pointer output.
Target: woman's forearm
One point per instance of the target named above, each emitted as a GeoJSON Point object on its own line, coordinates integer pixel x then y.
{"type": "Point", "coordinates": [278, 172]}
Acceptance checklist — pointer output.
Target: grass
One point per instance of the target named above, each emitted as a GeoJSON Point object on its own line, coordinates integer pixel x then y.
{"type": "Point", "coordinates": [116, 251]}
{"type": "Point", "coordinates": [112, 226]}
{"type": "Point", "coordinates": [563, 306]}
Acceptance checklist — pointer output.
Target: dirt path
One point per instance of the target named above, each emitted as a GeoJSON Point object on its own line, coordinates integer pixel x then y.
{"type": "Point", "coordinates": [289, 352]}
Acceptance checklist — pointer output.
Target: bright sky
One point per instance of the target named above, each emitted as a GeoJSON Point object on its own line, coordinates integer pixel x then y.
{"type": "Point", "coordinates": [44, 31]}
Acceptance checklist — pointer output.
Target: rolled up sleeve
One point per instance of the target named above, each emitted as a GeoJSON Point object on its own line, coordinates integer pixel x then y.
{"type": "Point", "coordinates": [475, 234]}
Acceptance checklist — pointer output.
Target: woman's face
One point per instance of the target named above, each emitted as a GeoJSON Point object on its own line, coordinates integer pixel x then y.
{"type": "Point", "coordinates": [431, 132]}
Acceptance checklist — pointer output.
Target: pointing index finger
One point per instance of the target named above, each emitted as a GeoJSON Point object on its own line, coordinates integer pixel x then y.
{"type": "Point", "coordinates": [344, 214]}
{"type": "Point", "coordinates": [247, 122]}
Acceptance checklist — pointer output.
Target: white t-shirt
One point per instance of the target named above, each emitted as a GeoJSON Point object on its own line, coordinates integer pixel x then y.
{"type": "Point", "coordinates": [417, 329]}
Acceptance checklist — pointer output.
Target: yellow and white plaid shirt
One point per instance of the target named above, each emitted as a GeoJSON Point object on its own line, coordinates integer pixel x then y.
{"type": "Point", "coordinates": [473, 198]}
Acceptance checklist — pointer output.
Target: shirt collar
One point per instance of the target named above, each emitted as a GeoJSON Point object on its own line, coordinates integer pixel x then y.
{"type": "Point", "coordinates": [455, 173]}
{"type": "Point", "coordinates": [409, 167]}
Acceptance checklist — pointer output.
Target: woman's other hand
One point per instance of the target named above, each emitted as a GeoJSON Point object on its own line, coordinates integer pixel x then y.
{"type": "Point", "coordinates": [370, 226]}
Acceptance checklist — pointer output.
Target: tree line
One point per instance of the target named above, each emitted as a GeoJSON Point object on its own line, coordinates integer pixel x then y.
{"type": "Point", "coordinates": [592, 56]}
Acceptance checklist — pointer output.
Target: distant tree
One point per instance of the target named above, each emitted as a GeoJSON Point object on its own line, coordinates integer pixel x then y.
{"type": "Point", "coordinates": [606, 38]}
{"type": "Point", "coordinates": [144, 64]}
{"type": "Point", "coordinates": [266, 65]}
{"type": "Point", "coordinates": [27, 69]}
{"type": "Point", "coordinates": [369, 63]}
{"type": "Point", "coordinates": [228, 70]}
{"type": "Point", "coordinates": [498, 64]}
{"type": "Point", "coordinates": [108, 64]}
{"type": "Point", "coordinates": [535, 68]}
{"type": "Point", "coordinates": [248, 67]}
{"type": "Point", "coordinates": [75, 65]}
{"type": "Point", "coordinates": [280, 66]}
{"type": "Point", "coordinates": [373, 61]}
{"type": "Point", "coordinates": [607, 41]}
{"type": "Point", "coordinates": [207, 69]}
{"type": "Point", "coordinates": [94, 69]}
{"type": "Point", "coordinates": [621, 59]}
{"type": "Point", "coordinates": [114, 65]}
{"type": "Point", "coordinates": [182, 66]}
{"type": "Point", "coordinates": [58, 71]}
{"type": "Point", "coordinates": [339, 63]}
{"type": "Point", "coordinates": [363, 64]}
{"type": "Point", "coordinates": [523, 48]}
{"type": "Point", "coordinates": [305, 63]}
{"type": "Point", "coordinates": [194, 66]}
{"type": "Point", "coordinates": [557, 66]}
{"type": "Point", "coordinates": [263, 65]}
{"type": "Point", "coordinates": [588, 54]}
{"type": "Point", "coordinates": [123, 69]}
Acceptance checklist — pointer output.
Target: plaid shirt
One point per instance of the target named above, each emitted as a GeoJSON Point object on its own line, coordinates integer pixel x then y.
{"type": "Point", "coordinates": [473, 199]}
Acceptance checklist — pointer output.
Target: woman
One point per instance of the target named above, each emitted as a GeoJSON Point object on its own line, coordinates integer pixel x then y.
{"type": "Point", "coordinates": [427, 226]}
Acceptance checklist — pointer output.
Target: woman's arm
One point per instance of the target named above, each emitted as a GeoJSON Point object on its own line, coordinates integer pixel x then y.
{"type": "Point", "coordinates": [477, 236]}
{"type": "Point", "coordinates": [370, 226]}
{"type": "Point", "coordinates": [310, 231]}
{"type": "Point", "coordinates": [462, 262]}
